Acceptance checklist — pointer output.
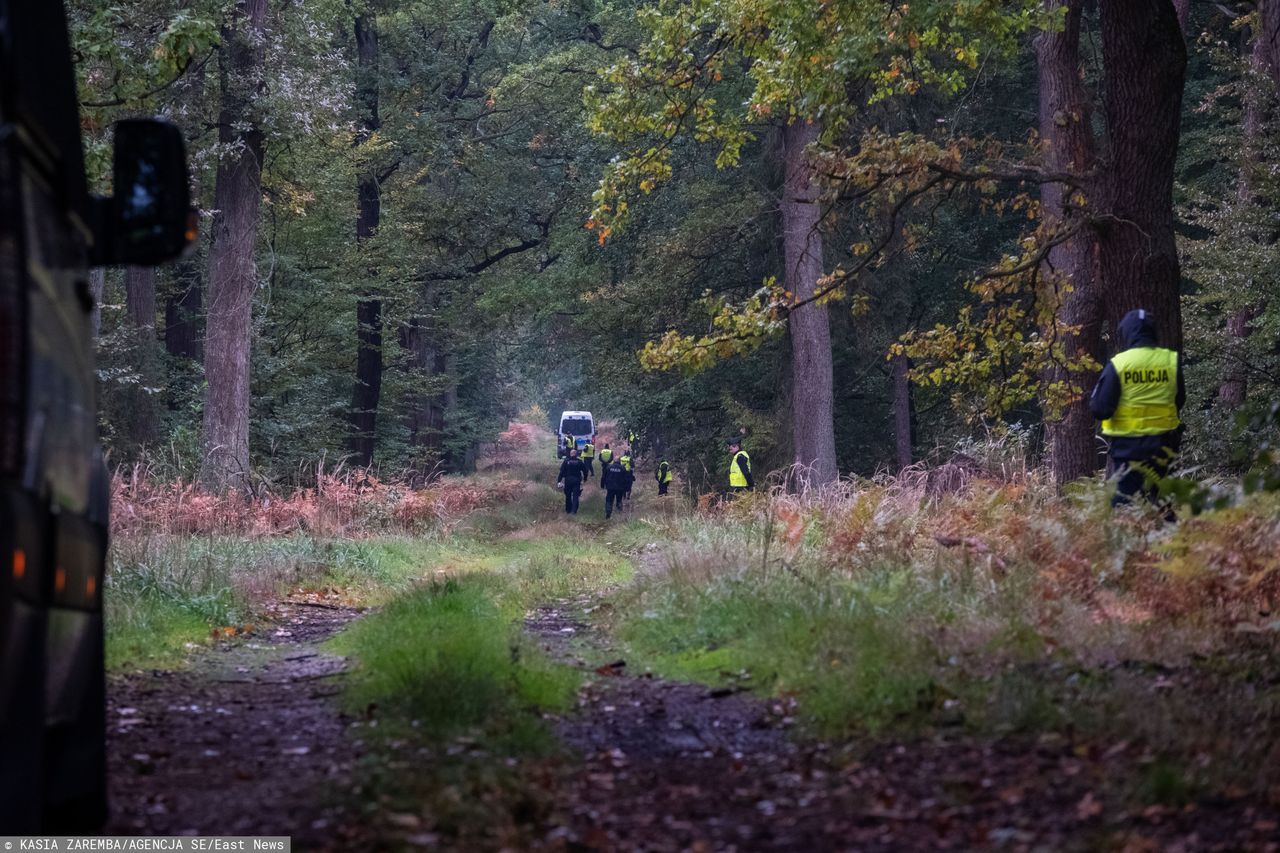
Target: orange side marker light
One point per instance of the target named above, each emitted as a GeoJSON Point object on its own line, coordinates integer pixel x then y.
{"type": "Point", "coordinates": [19, 564]}
{"type": "Point", "coordinates": [91, 586]}
{"type": "Point", "coordinates": [60, 579]}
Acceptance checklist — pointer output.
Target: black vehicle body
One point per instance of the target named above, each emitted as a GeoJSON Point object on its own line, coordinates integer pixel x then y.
{"type": "Point", "coordinates": [53, 485]}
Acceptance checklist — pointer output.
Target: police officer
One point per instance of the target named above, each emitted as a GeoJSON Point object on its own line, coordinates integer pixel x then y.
{"type": "Point", "coordinates": [568, 445]}
{"type": "Point", "coordinates": [663, 476]}
{"type": "Point", "coordinates": [572, 472]}
{"type": "Point", "coordinates": [588, 456]}
{"type": "Point", "coordinates": [615, 480]}
{"type": "Point", "coordinates": [1138, 398]}
{"type": "Point", "coordinates": [606, 456]}
{"type": "Point", "coordinates": [740, 478]}
{"type": "Point", "coordinates": [630, 466]}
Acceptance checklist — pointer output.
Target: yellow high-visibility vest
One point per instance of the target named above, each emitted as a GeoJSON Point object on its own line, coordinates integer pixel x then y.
{"type": "Point", "coordinates": [1148, 392]}
{"type": "Point", "coordinates": [626, 461]}
{"type": "Point", "coordinates": [588, 451]}
{"type": "Point", "coordinates": [605, 456]}
{"type": "Point", "coordinates": [664, 473]}
{"type": "Point", "coordinates": [737, 479]}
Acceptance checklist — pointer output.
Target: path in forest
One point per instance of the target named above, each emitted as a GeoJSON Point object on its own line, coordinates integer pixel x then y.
{"type": "Point", "coordinates": [668, 766]}
{"type": "Point", "coordinates": [247, 740]}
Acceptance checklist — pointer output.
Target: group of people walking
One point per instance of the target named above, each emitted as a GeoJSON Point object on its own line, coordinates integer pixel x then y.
{"type": "Point", "coordinates": [618, 476]}
{"type": "Point", "coordinates": [1138, 398]}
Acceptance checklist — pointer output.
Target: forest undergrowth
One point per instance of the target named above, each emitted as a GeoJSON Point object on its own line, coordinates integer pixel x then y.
{"type": "Point", "coordinates": [952, 601]}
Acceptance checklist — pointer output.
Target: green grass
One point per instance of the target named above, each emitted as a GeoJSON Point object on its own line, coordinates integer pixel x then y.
{"type": "Point", "coordinates": [447, 668]}
{"type": "Point", "coordinates": [862, 652]}
{"type": "Point", "coordinates": [166, 593]}
{"type": "Point", "coordinates": [452, 655]}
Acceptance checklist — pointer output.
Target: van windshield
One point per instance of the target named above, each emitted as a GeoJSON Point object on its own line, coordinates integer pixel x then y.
{"type": "Point", "coordinates": [575, 427]}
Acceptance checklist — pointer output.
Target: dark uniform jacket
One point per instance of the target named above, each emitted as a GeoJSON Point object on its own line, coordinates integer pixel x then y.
{"type": "Point", "coordinates": [1135, 330]}
{"type": "Point", "coordinates": [572, 472]}
{"type": "Point", "coordinates": [615, 477]}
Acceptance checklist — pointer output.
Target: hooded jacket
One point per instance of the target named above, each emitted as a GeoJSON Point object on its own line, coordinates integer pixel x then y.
{"type": "Point", "coordinates": [1136, 329]}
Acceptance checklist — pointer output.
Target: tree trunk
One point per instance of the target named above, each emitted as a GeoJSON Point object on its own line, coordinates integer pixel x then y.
{"type": "Point", "coordinates": [368, 385]}
{"type": "Point", "coordinates": [1066, 134]}
{"type": "Point", "coordinates": [232, 272]}
{"type": "Point", "coordinates": [1259, 109]}
{"type": "Point", "coordinates": [97, 284]}
{"type": "Point", "coordinates": [142, 415]}
{"type": "Point", "coordinates": [812, 408]}
{"type": "Point", "coordinates": [1183, 10]}
{"type": "Point", "coordinates": [1145, 58]}
{"type": "Point", "coordinates": [140, 296]}
{"type": "Point", "coordinates": [902, 431]}
{"type": "Point", "coordinates": [426, 415]}
{"type": "Point", "coordinates": [182, 312]}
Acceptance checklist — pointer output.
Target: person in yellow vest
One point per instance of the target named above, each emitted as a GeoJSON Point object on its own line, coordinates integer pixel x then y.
{"type": "Point", "coordinates": [663, 476]}
{"type": "Point", "coordinates": [1138, 398]}
{"type": "Point", "coordinates": [588, 456]}
{"type": "Point", "coordinates": [740, 479]}
{"type": "Point", "coordinates": [606, 456]}
{"type": "Point", "coordinates": [631, 471]}
{"type": "Point", "coordinates": [567, 446]}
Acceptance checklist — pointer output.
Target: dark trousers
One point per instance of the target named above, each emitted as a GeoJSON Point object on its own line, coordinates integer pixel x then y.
{"type": "Point", "coordinates": [612, 498]}
{"type": "Point", "coordinates": [1140, 476]}
{"type": "Point", "coordinates": [662, 488]}
{"type": "Point", "coordinates": [590, 471]}
{"type": "Point", "coordinates": [572, 492]}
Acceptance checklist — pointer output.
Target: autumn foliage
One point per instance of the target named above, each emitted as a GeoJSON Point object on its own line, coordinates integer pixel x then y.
{"type": "Point", "coordinates": [1012, 527]}
{"type": "Point", "coordinates": [353, 505]}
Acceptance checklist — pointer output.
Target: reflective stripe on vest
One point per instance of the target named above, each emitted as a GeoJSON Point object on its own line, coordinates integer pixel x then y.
{"type": "Point", "coordinates": [1148, 392]}
{"type": "Point", "coordinates": [606, 455]}
{"type": "Point", "coordinates": [737, 479]}
{"type": "Point", "coordinates": [664, 473]}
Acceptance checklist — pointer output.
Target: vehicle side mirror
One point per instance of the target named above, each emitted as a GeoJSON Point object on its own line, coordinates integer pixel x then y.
{"type": "Point", "coordinates": [149, 220]}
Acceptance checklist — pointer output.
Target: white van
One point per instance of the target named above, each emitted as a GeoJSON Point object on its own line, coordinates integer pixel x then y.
{"type": "Point", "coordinates": [580, 427]}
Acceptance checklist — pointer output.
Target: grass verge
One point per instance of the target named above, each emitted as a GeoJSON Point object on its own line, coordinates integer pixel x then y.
{"type": "Point", "coordinates": [446, 671]}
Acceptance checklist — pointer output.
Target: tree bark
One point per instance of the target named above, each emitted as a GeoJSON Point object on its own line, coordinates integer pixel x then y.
{"type": "Point", "coordinates": [1259, 109]}
{"type": "Point", "coordinates": [813, 419]}
{"type": "Point", "coordinates": [182, 309]}
{"type": "Point", "coordinates": [425, 418]}
{"type": "Point", "coordinates": [232, 272]}
{"type": "Point", "coordinates": [367, 391]}
{"type": "Point", "coordinates": [1145, 58]}
{"type": "Point", "coordinates": [1065, 132]}
{"type": "Point", "coordinates": [97, 284]}
{"type": "Point", "coordinates": [902, 426]}
{"type": "Point", "coordinates": [142, 414]}
{"type": "Point", "coordinates": [1183, 10]}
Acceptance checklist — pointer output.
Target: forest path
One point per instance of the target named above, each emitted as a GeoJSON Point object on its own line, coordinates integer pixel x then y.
{"type": "Point", "coordinates": [670, 766]}
{"type": "Point", "coordinates": [246, 740]}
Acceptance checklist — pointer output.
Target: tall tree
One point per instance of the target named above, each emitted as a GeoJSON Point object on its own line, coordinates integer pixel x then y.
{"type": "Point", "coordinates": [1261, 84]}
{"type": "Point", "coordinates": [812, 408]}
{"type": "Point", "coordinates": [1067, 135]}
{"type": "Point", "coordinates": [140, 305]}
{"type": "Point", "coordinates": [368, 385]}
{"type": "Point", "coordinates": [232, 269]}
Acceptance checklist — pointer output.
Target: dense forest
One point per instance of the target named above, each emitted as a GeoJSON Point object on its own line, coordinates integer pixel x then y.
{"type": "Point", "coordinates": [859, 233]}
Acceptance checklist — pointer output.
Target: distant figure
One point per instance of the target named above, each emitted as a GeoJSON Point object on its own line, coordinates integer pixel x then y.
{"type": "Point", "coordinates": [568, 444]}
{"type": "Point", "coordinates": [663, 476]}
{"type": "Point", "coordinates": [588, 455]}
{"type": "Point", "coordinates": [1138, 398]}
{"type": "Point", "coordinates": [572, 472]}
{"type": "Point", "coordinates": [615, 480]}
{"type": "Point", "coordinates": [630, 466]}
{"type": "Point", "coordinates": [740, 478]}
{"type": "Point", "coordinates": [606, 456]}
